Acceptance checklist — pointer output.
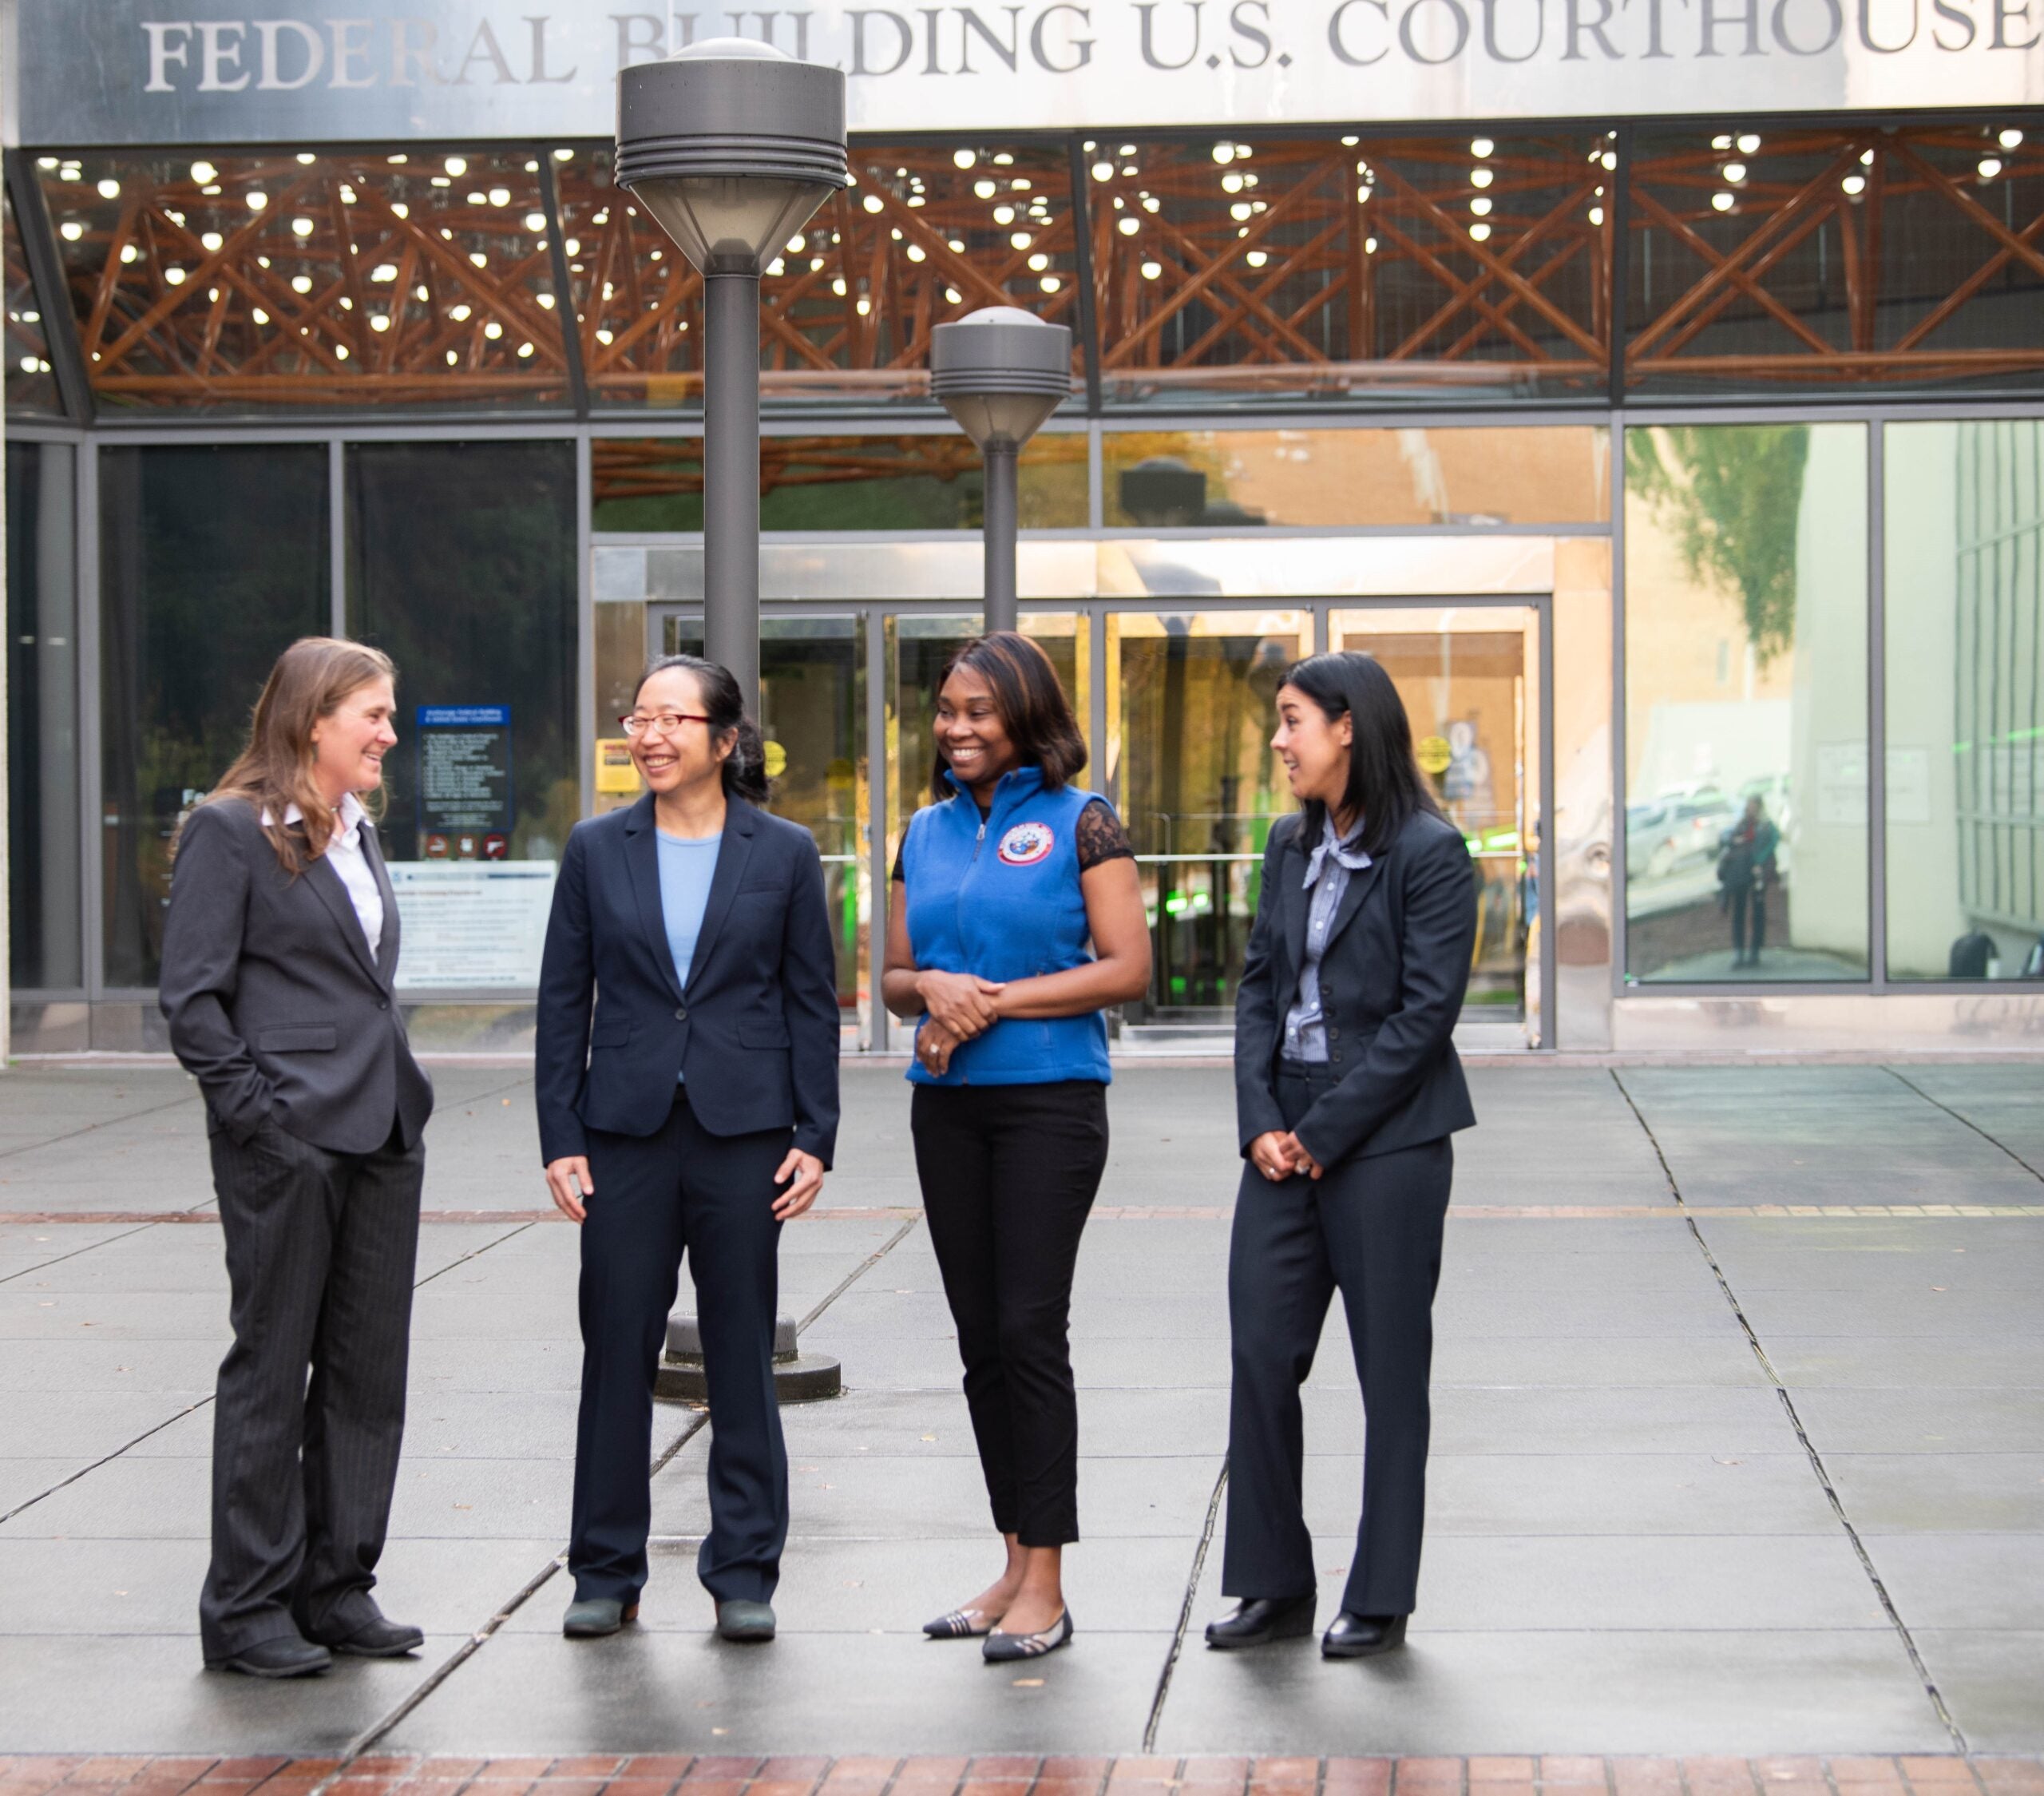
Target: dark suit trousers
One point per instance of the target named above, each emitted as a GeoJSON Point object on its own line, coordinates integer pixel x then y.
{"type": "Point", "coordinates": [680, 1187]}
{"type": "Point", "coordinates": [1370, 1228]}
{"type": "Point", "coordinates": [322, 1251]}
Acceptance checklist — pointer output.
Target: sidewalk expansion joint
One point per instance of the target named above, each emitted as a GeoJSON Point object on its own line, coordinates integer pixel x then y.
{"type": "Point", "coordinates": [204, 1402]}
{"type": "Point", "coordinates": [1991, 1141]}
{"type": "Point", "coordinates": [1185, 1610]}
{"type": "Point", "coordinates": [1817, 1466]}
{"type": "Point", "coordinates": [698, 1420]}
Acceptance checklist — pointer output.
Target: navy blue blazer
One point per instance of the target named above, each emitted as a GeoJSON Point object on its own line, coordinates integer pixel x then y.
{"type": "Point", "coordinates": [1392, 982]}
{"type": "Point", "coordinates": [754, 1034]}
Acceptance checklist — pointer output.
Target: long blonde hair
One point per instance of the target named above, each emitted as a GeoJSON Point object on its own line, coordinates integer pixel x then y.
{"type": "Point", "coordinates": [311, 681]}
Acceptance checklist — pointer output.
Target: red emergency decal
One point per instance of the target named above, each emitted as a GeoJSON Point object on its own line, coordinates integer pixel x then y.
{"type": "Point", "coordinates": [1026, 844]}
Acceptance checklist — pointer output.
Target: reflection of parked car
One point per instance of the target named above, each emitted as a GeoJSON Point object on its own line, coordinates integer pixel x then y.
{"type": "Point", "coordinates": [1666, 834]}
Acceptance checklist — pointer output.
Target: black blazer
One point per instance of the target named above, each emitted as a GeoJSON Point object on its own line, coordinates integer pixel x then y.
{"type": "Point", "coordinates": [1391, 987]}
{"type": "Point", "coordinates": [276, 1004]}
{"type": "Point", "coordinates": [755, 1033]}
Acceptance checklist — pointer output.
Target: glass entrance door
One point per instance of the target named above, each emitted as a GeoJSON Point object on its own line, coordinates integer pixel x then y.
{"type": "Point", "coordinates": [1470, 678]}
{"type": "Point", "coordinates": [1189, 708]}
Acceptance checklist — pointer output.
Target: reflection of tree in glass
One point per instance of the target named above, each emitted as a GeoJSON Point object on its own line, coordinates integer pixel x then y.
{"type": "Point", "coordinates": [1732, 493]}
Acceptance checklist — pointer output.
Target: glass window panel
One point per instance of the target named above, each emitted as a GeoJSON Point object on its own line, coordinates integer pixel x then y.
{"type": "Point", "coordinates": [1468, 679]}
{"type": "Point", "coordinates": [44, 892]}
{"type": "Point", "coordinates": [461, 568]}
{"type": "Point", "coordinates": [1964, 651]}
{"type": "Point", "coordinates": [643, 485]}
{"type": "Point", "coordinates": [31, 383]}
{"type": "Point", "coordinates": [179, 556]}
{"type": "Point", "coordinates": [1392, 267]}
{"type": "Point", "coordinates": [1192, 708]}
{"type": "Point", "coordinates": [1853, 255]}
{"type": "Point", "coordinates": [1746, 703]}
{"type": "Point", "coordinates": [249, 281]}
{"type": "Point", "coordinates": [1481, 475]}
{"type": "Point", "coordinates": [930, 232]}
{"type": "Point", "coordinates": [812, 712]}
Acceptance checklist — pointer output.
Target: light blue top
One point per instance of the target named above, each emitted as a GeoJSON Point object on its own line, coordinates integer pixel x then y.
{"type": "Point", "coordinates": [687, 867]}
{"type": "Point", "coordinates": [1327, 878]}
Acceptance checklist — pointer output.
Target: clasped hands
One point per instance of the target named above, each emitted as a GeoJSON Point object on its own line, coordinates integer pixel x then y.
{"type": "Point", "coordinates": [1278, 1154]}
{"type": "Point", "coordinates": [957, 1007]}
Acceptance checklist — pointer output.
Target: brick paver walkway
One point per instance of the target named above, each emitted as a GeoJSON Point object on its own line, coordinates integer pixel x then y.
{"type": "Point", "coordinates": [683, 1775]}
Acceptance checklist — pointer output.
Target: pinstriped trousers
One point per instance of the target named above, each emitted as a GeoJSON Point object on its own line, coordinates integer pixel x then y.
{"type": "Point", "coordinates": [322, 1250]}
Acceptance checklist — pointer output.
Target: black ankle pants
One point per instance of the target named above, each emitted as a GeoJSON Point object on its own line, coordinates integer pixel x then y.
{"type": "Point", "coordinates": [1009, 1176]}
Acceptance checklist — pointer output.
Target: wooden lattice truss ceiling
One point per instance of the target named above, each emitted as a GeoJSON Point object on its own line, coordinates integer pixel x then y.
{"type": "Point", "coordinates": [1745, 208]}
{"type": "Point", "coordinates": [305, 279]}
{"type": "Point", "coordinates": [924, 234]}
{"type": "Point", "coordinates": [398, 279]}
{"type": "Point", "coordinates": [1258, 257]}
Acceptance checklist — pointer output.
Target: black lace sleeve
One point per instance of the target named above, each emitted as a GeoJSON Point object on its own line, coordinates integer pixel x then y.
{"type": "Point", "coordinates": [1101, 837]}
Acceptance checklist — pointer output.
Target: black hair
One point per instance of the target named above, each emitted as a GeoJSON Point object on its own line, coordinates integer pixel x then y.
{"type": "Point", "coordinates": [1385, 785]}
{"type": "Point", "coordinates": [745, 767]}
{"type": "Point", "coordinates": [1034, 711]}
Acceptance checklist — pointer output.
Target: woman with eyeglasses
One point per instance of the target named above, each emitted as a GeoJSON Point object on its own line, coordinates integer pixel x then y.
{"type": "Point", "coordinates": [686, 1078]}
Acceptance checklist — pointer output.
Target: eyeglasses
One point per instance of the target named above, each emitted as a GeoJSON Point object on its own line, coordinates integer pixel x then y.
{"type": "Point", "coordinates": [665, 722]}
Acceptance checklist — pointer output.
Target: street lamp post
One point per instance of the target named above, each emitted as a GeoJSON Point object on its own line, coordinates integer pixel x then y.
{"type": "Point", "coordinates": [732, 146]}
{"type": "Point", "coordinates": [1000, 372]}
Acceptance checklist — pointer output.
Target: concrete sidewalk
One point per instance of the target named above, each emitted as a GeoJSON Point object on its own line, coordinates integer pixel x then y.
{"type": "Point", "coordinates": [1739, 1446]}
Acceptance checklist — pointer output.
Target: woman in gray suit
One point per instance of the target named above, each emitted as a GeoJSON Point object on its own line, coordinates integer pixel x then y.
{"type": "Point", "coordinates": [279, 957]}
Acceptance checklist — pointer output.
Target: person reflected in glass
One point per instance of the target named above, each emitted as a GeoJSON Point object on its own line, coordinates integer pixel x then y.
{"type": "Point", "coordinates": [1745, 869]}
{"type": "Point", "coordinates": [686, 1077]}
{"type": "Point", "coordinates": [278, 984]}
{"type": "Point", "coordinates": [1347, 1090]}
{"type": "Point", "coordinates": [1016, 919]}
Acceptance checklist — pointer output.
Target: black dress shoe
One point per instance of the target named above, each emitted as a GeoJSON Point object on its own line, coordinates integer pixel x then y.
{"type": "Point", "coordinates": [285, 1656]}
{"type": "Point", "coordinates": [379, 1639]}
{"type": "Point", "coordinates": [1260, 1620]}
{"type": "Point", "coordinates": [1354, 1636]}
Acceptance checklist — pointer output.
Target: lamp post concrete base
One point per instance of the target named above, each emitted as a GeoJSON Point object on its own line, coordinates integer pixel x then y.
{"type": "Point", "coordinates": [798, 1377]}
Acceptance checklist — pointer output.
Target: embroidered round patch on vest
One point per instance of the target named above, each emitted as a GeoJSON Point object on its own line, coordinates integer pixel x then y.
{"type": "Point", "coordinates": [1026, 844]}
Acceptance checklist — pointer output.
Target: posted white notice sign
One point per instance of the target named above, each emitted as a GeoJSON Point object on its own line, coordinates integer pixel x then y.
{"type": "Point", "coordinates": [471, 925]}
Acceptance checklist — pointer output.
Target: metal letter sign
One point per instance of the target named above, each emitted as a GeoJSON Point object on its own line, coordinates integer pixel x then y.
{"type": "Point", "coordinates": [92, 72]}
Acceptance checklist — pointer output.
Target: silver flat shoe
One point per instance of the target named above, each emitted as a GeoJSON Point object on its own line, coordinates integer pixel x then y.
{"type": "Point", "coordinates": [1001, 1649]}
{"type": "Point", "coordinates": [961, 1624]}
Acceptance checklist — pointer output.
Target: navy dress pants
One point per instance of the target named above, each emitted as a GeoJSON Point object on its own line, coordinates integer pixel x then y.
{"type": "Point", "coordinates": [680, 1187]}
{"type": "Point", "coordinates": [1370, 1228]}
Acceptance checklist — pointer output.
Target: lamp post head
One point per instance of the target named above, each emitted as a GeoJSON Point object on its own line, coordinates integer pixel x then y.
{"type": "Point", "coordinates": [1000, 372]}
{"type": "Point", "coordinates": [732, 146]}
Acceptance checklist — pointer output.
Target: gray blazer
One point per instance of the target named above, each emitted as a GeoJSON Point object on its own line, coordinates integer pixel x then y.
{"type": "Point", "coordinates": [276, 1004]}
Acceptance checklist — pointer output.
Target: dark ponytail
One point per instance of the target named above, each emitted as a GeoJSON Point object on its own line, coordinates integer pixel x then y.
{"type": "Point", "coordinates": [745, 767]}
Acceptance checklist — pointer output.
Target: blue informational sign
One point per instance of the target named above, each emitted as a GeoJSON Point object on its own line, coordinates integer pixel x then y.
{"type": "Point", "coordinates": [464, 804]}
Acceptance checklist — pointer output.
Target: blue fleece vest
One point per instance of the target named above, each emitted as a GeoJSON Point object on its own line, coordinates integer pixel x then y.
{"type": "Point", "coordinates": [1003, 901]}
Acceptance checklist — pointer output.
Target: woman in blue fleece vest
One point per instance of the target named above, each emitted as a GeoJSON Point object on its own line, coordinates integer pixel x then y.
{"type": "Point", "coordinates": [1002, 884]}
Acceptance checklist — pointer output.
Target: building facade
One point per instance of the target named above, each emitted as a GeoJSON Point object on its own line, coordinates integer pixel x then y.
{"type": "Point", "coordinates": [1658, 393]}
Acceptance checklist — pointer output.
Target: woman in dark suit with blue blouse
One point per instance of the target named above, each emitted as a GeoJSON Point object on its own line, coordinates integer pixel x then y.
{"type": "Point", "coordinates": [1347, 1090]}
{"type": "Point", "coordinates": [695, 1108]}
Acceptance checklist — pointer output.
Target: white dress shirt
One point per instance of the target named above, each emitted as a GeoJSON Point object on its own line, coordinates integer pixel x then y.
{"type": "Point", "coordinates": [344, 854]}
